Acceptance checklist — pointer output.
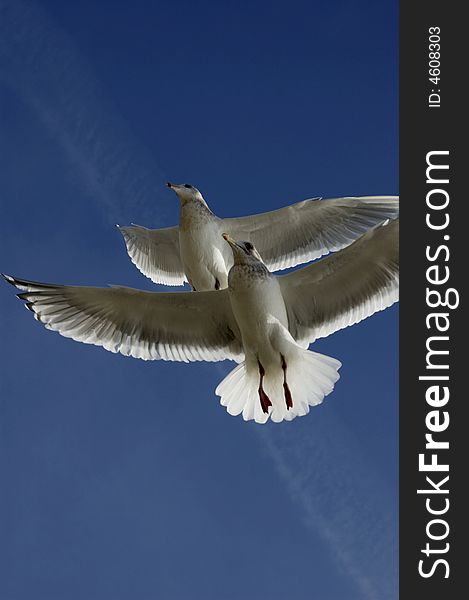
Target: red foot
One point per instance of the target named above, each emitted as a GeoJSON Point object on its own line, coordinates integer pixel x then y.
{"type": "Point", "coordinates": [287, 394]}
{"type": "Point", "coordinates": [286, 389]}
{"type": "Point", "coordinates": [265, 400]}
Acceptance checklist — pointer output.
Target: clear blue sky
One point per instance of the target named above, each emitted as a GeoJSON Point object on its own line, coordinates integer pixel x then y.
{"type": "Point", "coordinates": [123, 479]}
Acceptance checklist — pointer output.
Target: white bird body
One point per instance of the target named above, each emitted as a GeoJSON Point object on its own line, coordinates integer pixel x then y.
{"type": "Point", "coordinates": [263, 322]}
{"type": "Point", "coordinates": [205, 257]}
{"type": "Point", "coordinates": [272, 357]}
{"type": "Point", "coordinates": [195, 252]}
{"type": "Point", "coordinates": [257, 304]}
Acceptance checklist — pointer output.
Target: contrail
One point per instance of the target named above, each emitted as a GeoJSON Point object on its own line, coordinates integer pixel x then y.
{"type": "Point", "coordinates": [39, 62]}
{"type": "Point", "coordinates": [341, 498]}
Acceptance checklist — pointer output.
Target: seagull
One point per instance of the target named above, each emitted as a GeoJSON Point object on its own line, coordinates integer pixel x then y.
{"type": "Point", "coordinates": [194, 251]}
{"type": "Point", "coordinates": [262, 321]}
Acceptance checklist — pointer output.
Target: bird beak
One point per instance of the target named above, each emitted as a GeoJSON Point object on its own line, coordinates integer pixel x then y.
{"type": "Point", "coordinates": [229, 239]}
{"type": "Point", "coordinates": [175, 186]}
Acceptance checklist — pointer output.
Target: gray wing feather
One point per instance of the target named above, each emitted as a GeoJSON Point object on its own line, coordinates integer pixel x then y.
{"type": "Point", "coordinates": [155, 253]}
{"type": "Point", "coordinates": [344, 288]}
{"type": "Point", "coordinates": [310, 229]}
{"type": "Point", "coordinates": [179, 326]}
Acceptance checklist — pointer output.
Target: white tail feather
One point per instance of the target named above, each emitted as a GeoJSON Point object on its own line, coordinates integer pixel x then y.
{"type": "Point", "coordinates": [310, 377]}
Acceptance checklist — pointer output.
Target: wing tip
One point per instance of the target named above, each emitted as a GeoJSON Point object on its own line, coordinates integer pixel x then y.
{"type": "Point", "coordinates": [12, 280]}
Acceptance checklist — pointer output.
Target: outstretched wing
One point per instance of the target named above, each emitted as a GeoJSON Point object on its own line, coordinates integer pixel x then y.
{"type": "Point", "coordinates": [309, 229]}
{"type": "Point", "coordinates": [344, 288]}
{"type": "Point", "coordinates": [179, 326]}
{"type": "Point", "coordinates": [155, 253]}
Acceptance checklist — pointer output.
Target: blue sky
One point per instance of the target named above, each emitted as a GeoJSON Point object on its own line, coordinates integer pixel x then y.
{"type": "Point", "coordinates": [124, 479]}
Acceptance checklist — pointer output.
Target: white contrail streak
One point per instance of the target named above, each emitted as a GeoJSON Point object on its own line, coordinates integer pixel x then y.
{"type": "Point", "coordinates": [39, 62]}
{"type": "Point", "coordinates": [342, 500]}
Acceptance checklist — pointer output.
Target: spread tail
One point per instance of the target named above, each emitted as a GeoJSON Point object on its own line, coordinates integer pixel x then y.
{"type": "Point", "coordinates": [299, 381]}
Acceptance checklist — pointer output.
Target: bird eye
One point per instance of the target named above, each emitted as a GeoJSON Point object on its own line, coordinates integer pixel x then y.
{"type": "Point", "coordinates": [186, 185]}
{"type": "Point", "coordinates": [249, 246]}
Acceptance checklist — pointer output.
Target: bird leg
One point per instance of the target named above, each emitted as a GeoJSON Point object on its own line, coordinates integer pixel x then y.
{"type": "Point", "coordinates": [265, 400]}
{"type": "Point", "coordinates": [286, 389]}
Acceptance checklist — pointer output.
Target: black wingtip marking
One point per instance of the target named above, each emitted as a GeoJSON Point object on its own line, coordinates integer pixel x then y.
{"type": "Point", "coordinates": [9, 279]}
{"type": "Point", "coordinates": [15, 281]}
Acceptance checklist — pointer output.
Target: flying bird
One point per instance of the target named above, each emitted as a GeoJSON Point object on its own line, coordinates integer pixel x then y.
{"type": "Point", "coordinates": [262, 321]}
{"type": "Point", "coordinates": [195, 252]}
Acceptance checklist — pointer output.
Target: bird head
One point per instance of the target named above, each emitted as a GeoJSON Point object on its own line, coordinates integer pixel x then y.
{"type": "Point", "coordinates": [186, 192]}
{"type": "Point", "coordinates": [243, 252]}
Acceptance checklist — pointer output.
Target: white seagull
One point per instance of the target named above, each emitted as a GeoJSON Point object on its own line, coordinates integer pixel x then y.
{"type": "Point", "coordinates": [262, 321]}
{"type": "Point", "coordinates": [195, 252]}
